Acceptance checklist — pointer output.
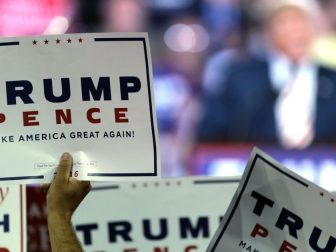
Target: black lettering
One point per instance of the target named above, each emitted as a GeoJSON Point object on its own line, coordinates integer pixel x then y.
{"type": "Point", "coordinates": [314, 239]}
{"type": "Point", "coordinates": [87, 229]}
{"type": "Point", "coordinates": [125, 88]}
{"type": "Point", "coordinates": [103, 88]}
{"type": "Point", "coordinates": [242, 244]}
{"type": "Point", "coordinates": [49, 93]}
{"type": "Point", "coordinates": [21, 88]}
{"type": "Point", "coordinates": [201, 228]}
{"type": "Point", "coordinates": [262, 201]}
{"type": "Point", "coordinates": [119, 228]}
{"type": "Point", "coordinates": [5, 223]}
{"type": "Point", "coordinates": [162, 233]}
{"type": "Point", "coordinates": [290, 219]}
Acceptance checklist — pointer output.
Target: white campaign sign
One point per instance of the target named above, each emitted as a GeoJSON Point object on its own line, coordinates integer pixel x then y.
{"type": "Point", "coordinates": [171, 215]}
{"type": "Point", "coordinates": [88, 94]}
{"type": "Point", "coordinates": [12, 218]}
{"type": "Point", "coordinates": [274, 209]}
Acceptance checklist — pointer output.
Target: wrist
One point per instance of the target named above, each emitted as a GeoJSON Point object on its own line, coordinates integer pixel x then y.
{"type": "Point", "coordinates": [59, 217]}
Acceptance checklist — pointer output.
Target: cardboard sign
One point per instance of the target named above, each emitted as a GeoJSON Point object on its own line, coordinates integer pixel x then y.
{"type": "Point", "coordinates": [276, 210]}
{"type": "Point", "coordinates": [88, 94]}
{"type": "Point", "coordinates": [171, 215]}
{"type": "Point", "coordinates": [12, 219]}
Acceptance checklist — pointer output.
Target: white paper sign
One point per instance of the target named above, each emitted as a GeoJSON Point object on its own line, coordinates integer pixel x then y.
{"type": "Point", "coordinates": [12, 219]}
{"type": "Point", "coordinates": [171, 215]}
{"type": "Point", "coordinates": [276, 210]}
{"type": "Point", "coordinates": [88, 94]}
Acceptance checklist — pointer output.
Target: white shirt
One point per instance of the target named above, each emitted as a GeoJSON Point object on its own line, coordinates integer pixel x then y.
{"type": "Point", "coordinates": [295, 107]}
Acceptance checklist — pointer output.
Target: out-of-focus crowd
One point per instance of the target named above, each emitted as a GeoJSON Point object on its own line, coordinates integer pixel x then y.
{"type": "Point", "coordinates": [257, 71]}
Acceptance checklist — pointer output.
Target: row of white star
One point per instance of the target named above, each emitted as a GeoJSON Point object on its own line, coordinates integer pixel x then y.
{"type": "Point", "coordinates": [57, 41]}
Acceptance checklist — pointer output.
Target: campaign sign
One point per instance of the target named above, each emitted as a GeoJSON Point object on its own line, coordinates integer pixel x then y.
{"type": "Point", "coordinates": [171, 215]}
{"type": "Point", "coordinates": [12, 219]}
{"type": "Point", "coordinates": [274, 209]}
{"type": "Point", "coordinates": [88, 94]}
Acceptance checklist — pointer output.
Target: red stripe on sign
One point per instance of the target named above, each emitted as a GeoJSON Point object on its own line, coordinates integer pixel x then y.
{"type": "Point", "coordinates": [21, 219]}
{"type": "Point", "coordinates": [4, 250]}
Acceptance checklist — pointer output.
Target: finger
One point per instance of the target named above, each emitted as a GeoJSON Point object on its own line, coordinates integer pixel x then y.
{"type": "Point", "coordinates": [64, 168]}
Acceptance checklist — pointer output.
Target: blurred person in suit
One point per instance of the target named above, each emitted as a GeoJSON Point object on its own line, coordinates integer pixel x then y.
{"type": "Point", "coordinates": [283, 96]}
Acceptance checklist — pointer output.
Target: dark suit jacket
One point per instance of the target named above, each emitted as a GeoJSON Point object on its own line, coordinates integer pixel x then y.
{"type": "Point", "coordinates": [243, 110]}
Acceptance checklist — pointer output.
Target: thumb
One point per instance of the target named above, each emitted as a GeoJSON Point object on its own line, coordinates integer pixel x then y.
{"type": "Point", "coordinates": [64, 168]}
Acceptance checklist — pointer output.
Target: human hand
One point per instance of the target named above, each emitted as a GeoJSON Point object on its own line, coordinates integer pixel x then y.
{"type": "Point", "coordinates": [65, 193]}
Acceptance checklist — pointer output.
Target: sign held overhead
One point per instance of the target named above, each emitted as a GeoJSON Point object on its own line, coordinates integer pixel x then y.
{"type": "Point", "coordinates": [88, 94]}
{"type": "Point", "coordinates": [274, 209]}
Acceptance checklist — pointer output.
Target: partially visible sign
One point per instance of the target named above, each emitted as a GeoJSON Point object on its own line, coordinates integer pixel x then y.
{"type": "Point", "coordinates": [88, 94]}
{"type": "Point", "coordinates": [12, 219]}
{"type": "Point", "coordinates": [274, 209]}
{"type": "Point", "coordinates": [37, 225]}
{"type": "Point", "coordinates": [171, 215]}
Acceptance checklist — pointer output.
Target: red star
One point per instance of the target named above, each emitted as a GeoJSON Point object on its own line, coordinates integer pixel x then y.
{"type": "Point", "coordinates": [322, 194]}
{"type": "Point", "coordinates": [80, 40]}
{"type": "Point", "coordinates": [69, 40]}
{"type": "Point", "coordinates": [58, 41]}
{"type": "Point", "coordinates": [34, 42]}
{"type": "Point", "coordinates": [2, 118]}
{"type": "Point", "coordinates": [46, 42]}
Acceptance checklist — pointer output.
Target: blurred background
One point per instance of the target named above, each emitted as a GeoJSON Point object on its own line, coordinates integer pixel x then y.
{"type": "Point", "coordinates": [228, 75]}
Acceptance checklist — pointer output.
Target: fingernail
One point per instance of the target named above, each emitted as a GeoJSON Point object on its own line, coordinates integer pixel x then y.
{"type": "Point", "coordinates": [65, 156]}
